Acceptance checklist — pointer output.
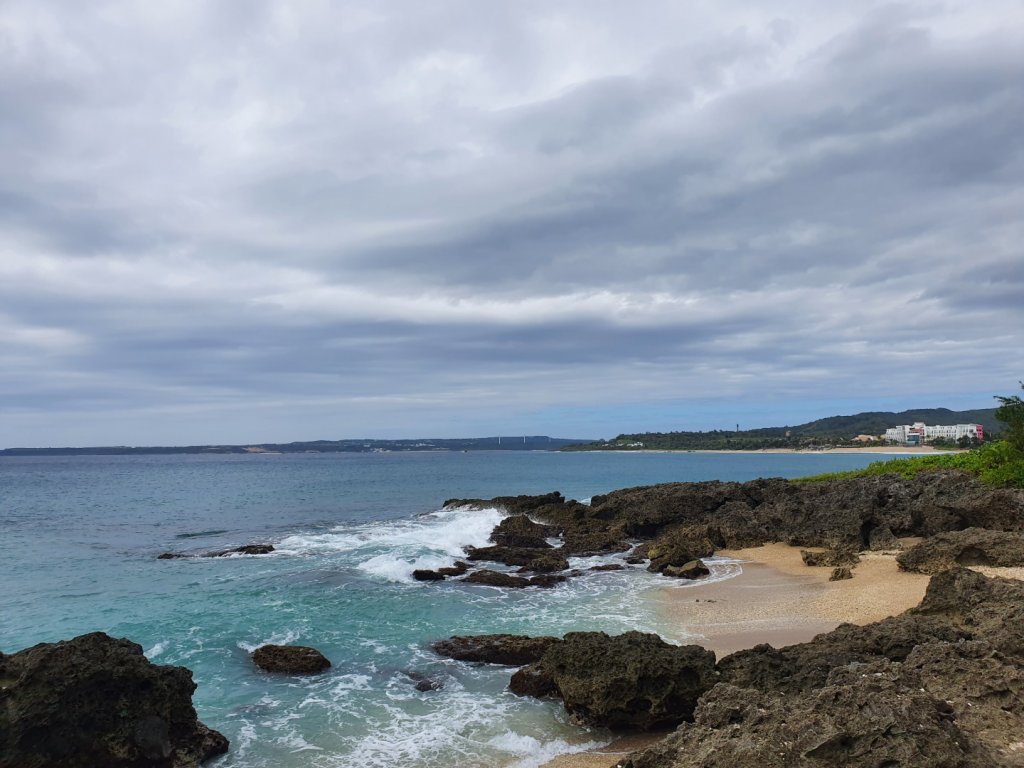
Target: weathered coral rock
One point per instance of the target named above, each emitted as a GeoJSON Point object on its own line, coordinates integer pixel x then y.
{"type": "Point", "coordinates": [797, 669]}
{"type": "Point", "coordinates": [513, 650]}
{"type": "Point", "coordinates": [864, 718]}
{"type": "Point", "coordinates": [841, 573]}
{"type": "Point", "coordinates": [96, 701]}
{"type": "Point", "coordinates": [633, 680]}
{"type": "Point", "coordinates": [530, 558]}
{"type": "Point", "coordinates": [550, 563]}
{"type": "Point", "coordinates": [830, 558]}
{"type": "Point", "coordinates": [973, 546]}
{"type": "Point", "coordinates": [594, 543]}
{"type": "Point", "coordinates": [678, 546]}
{"type": "Point", "coordinates": [491, 578]}
{"type": "Point", "coordinates": [454, 570]}
{"type": "Point", "coordinates": [533, 680]}
{"type": "Point", "coordinates": [521, 531]}
{"type": "Point", "coordinates": [290, 659]}
{"type": "Point", "coordinates": [695, 569]}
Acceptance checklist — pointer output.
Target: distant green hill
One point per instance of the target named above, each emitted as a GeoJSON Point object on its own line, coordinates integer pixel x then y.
{"type": "Point", "coordinates": [832, 430]}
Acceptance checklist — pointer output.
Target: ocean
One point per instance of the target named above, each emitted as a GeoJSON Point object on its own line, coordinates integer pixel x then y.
{"type": "Point", "coordinates": [81, 536]}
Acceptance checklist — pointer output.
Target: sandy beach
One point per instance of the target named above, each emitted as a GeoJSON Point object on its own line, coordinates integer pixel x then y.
{"type": "Point", "coordinates": [777, 600]}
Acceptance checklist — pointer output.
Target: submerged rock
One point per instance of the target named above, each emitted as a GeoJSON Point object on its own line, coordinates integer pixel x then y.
{"type": "Point", "coordinates": [513, 650]}
{"type": "Point", "coordinates": [245, 549]}
{"type": "Point", "coordinates": [290, 659]}
{"type": "Point", "coordinates": [424, 683]}
{"type": "Point", "coordinates": [973, 546]}
{"type": "Point", "coordinates": [608, 567]}
{"type": "Point", "coordinates": [424, 574]}
{"type": "Point", "coordinates": [97, 701]}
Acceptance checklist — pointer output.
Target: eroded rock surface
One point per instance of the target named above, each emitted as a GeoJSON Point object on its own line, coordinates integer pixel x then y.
{"type": "Point", "coordinates": [973, 546]}
{"type": "Point", "coordinates": [513, 650]}
{"type": "Point", "coordinates": [290, 659]}
{"type": "Point", "coordinates": [634, 680]}
{"type": "Point", "coordinates": [97, 701]}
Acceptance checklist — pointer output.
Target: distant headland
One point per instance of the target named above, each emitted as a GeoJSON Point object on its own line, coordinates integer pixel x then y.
{"type": "Point", "coordinates": [502, 443]}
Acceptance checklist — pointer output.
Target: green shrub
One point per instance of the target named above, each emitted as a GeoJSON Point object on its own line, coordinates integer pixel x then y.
{"type": "Point", "coordinates": [1000, 463]}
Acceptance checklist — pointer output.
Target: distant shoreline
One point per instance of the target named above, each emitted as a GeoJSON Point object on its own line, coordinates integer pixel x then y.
{"type": "Point", "coordinates": [925, 450]}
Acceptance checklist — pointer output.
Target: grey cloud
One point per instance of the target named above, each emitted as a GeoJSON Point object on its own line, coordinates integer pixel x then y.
{"type": "Point", "coordinates": [501, 209]}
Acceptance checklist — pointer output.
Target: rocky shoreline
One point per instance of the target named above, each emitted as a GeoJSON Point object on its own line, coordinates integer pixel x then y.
{"type": "Point", "coordinates": [941, 684]}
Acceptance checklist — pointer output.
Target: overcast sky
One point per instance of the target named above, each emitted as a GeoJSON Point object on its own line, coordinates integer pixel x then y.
{"type": "Point", "coordinates": [252, 221]}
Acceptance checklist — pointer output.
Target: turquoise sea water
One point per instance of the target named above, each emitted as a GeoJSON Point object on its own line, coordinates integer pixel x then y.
{"type": "Point", "coordinates": [80, 536]}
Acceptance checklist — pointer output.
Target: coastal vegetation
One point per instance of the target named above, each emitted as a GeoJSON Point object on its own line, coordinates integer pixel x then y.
{"type": "Point", "coordinates": [831, 431]}
{"type": "Point", "coordinates": [1000, 463]}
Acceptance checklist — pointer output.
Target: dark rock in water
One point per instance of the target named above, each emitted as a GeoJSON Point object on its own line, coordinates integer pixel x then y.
{"type": "Point", "coordinates": [695, 569]}
{"type": "Point", "coordinates": [454, 570]}
{"type": "Point", "coordinates": [530, 558]}
{"type": "Point", "coordinates": [551, 563]}
{"type": "Point", "coordinates": [424, 574]}
{"type": "Point", "coordinates": [521, 531]}
{"type": "Point", "coordinates": [973, 546]}
{"type": "Point", "coordinates": [841, 573]}
{"type": "Point", "coordinates": [290, 659]}
{"type": "Point", "coordinates": [633, 680]}
{"type": "Point", "coordinates": [511, 504]}
{"type": "Point", "coordinates": [247, 549]}
{"type": "Point", "coordinates": [533, 680]}
{"type": "Point", "coordinates": [548, 580]}
{"type": "Point", "coordinates": [866, 717]}
{"type": "Point", "coordinates": [608, 567]}
{"type": "Point", "coordinates": [679, 546]}
{"type": "Point", "coordinates": [830, 558]}
{"type": "Point", "coordinates": [599, 543]}
{"type": "Point", "coordinates": [424, 682]}
{"type": "Point", "coordinates": [496, 579]}
{"type": "Point", "coordinates": [513, 650]}
{"type": "Point", "coordinates": [96, 701]}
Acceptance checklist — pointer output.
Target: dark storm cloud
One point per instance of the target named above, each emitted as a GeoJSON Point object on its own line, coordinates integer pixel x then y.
{"type": "Point", "coordinates": [449, 215]}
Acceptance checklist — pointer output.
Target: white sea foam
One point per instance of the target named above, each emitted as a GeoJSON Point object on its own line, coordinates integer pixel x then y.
{"type": "Point", "coordinates": [278, 638]}
{"type": "Point", "coordinates": [157, 649]}
{"type": "Point", "coordinates": [533, 752]}
{"type": "Point", "coordinates": [392, 550]}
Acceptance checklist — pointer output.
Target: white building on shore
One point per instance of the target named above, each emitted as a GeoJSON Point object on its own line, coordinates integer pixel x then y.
{"type": "Point", "coordinates": [918, 433]}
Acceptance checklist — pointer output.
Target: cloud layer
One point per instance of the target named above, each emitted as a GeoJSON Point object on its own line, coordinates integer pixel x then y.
{"type": "Point", "coordinates": [245, 221]}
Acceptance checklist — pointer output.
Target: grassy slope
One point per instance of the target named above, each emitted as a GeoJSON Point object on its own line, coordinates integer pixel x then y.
{"type": "Point", "coordinates": [998, 464]}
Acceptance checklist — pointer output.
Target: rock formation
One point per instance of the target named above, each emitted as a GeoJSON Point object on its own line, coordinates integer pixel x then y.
{"type": "Point", "coordinates": [97, 701]}
{"type": "Point", "coordinates": [513, 650]}
{"type": "Point", "coordinates": [290, 659]}
{"type": "Point", "coordinates": [973, 546]}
